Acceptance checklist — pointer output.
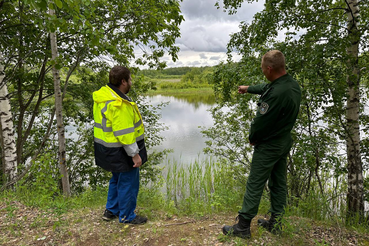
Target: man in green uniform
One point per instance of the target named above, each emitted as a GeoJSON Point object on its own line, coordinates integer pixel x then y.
{"type": "Point", "coordinates": [270, 134]}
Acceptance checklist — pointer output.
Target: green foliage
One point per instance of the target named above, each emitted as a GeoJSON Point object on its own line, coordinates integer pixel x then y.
{"type": "Point", "coordinates": [179, 78]}
{"type": "Point", "coordinates": [151, 198]}
{"type": "Point", "coordinates": [54, 202]}
{"type": "Point", "coordinates": [198, 75]}
{"type": "Point", "coordinates": [44, 185]}
{"type": "Point", "coordinates": [232, 116]}
{"type": "Point", "coordinates": [90, 198]}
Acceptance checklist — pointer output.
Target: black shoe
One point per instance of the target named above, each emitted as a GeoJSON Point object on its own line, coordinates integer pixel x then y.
{"type": "Point", "coordinates": [273, 225]}
{"type": "Point", "coordinates": [241, 229]}
{"type": "Point", "coordinates": [108, 216]}
{"type": "Point", "coordinates": [138, 220]}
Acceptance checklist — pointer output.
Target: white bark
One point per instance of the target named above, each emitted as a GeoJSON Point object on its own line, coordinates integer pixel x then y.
{"type": "Point", "coordinates": [355, 198]}
{"type": "Point", "coordinates": [59, 114]}
{"type": "Point", "coordinates": [7, 137]}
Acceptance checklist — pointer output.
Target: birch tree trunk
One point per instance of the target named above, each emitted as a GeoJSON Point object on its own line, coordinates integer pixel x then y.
{"type": "Point", "coordinates": [59, 114]}
{"type": "Point", "coordinates": [355, 199]}
{"type": "Point", "coordinates": [7, 137]}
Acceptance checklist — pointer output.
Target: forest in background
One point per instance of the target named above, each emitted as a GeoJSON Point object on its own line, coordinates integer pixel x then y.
{"type": "Point", "coordinates": [169, 80]}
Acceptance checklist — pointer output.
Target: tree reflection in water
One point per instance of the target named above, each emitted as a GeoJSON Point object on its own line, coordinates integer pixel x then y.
{"type": "Point", "coordinates": [184, 115]}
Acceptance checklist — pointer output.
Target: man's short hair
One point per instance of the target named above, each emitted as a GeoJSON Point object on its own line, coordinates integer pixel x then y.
{"type": "Point", "coordinates": [274, 59]}
{"type": "Point", "coordinates": [117, 74]}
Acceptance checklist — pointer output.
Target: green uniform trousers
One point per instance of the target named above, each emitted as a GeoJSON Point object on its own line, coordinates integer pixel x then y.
{"type": "Point", "coordinates": [269, 163]}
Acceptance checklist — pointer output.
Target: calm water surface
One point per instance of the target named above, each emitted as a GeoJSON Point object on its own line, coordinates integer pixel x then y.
{"type": "Point", "coordinates": [184, 116]}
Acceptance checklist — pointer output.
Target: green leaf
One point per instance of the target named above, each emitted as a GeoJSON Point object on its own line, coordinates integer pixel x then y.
{"type": "Point", "coordinates": [58, 66]}
{"type": "Point", "coordinates": [59, 3]}
{"type": "Point", "coordinates": [43, 5]}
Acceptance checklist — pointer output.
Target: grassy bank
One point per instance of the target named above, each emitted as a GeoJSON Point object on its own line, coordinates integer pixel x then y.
{"type": "Point", "coordinates": [173, 85]}
{"type": "Point", "coordinates": [182, 91]}
{"type": "Point", "coordinates": [180, 88]}
{"type": "Point", "coordinates": [188, 206]}
{"type": "Point", "coordinates": [202, 93]}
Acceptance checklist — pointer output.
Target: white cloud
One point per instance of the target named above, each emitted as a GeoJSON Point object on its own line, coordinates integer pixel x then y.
{"type": "Point", "coordinates": [190, 58]}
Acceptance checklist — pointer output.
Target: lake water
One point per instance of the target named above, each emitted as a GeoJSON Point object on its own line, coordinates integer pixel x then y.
{"type": "Point", "coordinates": [184, 116]}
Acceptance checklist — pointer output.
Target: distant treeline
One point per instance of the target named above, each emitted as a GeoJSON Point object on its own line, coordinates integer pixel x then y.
{"type": "Point", "coordinates": [192, 75]}
{"type": "Point", "coordinates": [171, 71]}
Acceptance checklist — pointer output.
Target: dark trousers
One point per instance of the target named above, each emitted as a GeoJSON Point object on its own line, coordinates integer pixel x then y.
{"type": "Point", "coordinates": [269, 163]}
{"type": "Point", "coordinates": [122, 194]}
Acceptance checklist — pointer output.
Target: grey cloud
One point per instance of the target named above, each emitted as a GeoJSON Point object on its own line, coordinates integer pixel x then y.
{"type": "Point", "coordinates": [203, 56]}
{"type": "Point", "coordinates": [206, 10]}
{"type": "Point", "coordinates": [206, 36]}
{"type": "Point", "coordinates": [193, 64]}
{"type": "Point", "coordinates": [214, 58]}
{"type": "Point", "coordinates": [206, 31]}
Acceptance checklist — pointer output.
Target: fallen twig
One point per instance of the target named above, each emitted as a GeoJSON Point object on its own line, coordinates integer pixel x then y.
{"type": "Point", "coordinates": [182, 223]}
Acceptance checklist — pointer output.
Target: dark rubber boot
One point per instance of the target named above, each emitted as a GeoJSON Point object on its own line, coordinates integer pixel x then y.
{"type": "Point", "coordinates": [273, 225]}
{"type": "Point", "coordinates": [241, 229]}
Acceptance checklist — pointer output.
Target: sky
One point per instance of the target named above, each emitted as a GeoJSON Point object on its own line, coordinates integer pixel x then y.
{"type": "Point", "coordinates": [206, 31]}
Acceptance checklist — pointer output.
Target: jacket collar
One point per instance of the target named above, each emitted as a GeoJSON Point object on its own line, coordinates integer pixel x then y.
{"type": "Point", "coordinates": [279, 78]}
{"type": "Point", "coordinates": [121, 94]}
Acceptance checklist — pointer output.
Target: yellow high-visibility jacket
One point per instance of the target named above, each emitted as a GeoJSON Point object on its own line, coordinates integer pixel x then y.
{"type": "Point", "coordinates": [118, 130]}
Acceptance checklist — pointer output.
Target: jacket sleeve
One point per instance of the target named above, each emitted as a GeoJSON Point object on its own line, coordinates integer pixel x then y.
{"type": "Point", "coordinates": [131, 149]}
{"type": "Point", "coordinates": [268, 113]}
{"type": "Point", "coordinates": [257, 89]}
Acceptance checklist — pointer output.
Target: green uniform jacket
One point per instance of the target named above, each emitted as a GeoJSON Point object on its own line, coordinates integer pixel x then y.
{"type": "Point", "coordinates": [278, 108]}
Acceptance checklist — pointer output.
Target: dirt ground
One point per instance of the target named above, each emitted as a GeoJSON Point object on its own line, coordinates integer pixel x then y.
{"type": "Point", "coordinates": [21, 225]}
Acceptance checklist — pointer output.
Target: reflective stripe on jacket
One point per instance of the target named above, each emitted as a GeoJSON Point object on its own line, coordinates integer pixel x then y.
{"type": "Point", "coordinates": [118, 124]}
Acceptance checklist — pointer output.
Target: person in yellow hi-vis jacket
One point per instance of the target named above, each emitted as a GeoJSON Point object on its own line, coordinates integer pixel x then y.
{"type": "Point", "coordinates": [119, 145]}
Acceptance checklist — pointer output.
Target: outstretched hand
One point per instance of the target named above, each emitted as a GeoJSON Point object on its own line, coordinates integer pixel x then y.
{"type": "Point", "coordinates": [242, 89]}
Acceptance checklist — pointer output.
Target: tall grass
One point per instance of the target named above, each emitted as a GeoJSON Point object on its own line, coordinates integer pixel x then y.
{"type": "Point", "coordinates": [55, 202]}
{"type": "Point", "coordinates": [202, 187]}
{"type": "Point", "coordinates": [207, 187]}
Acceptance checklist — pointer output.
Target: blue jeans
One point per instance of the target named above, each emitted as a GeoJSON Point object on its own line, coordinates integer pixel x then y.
{"type": "Point", "coordinates": [122, 194]}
